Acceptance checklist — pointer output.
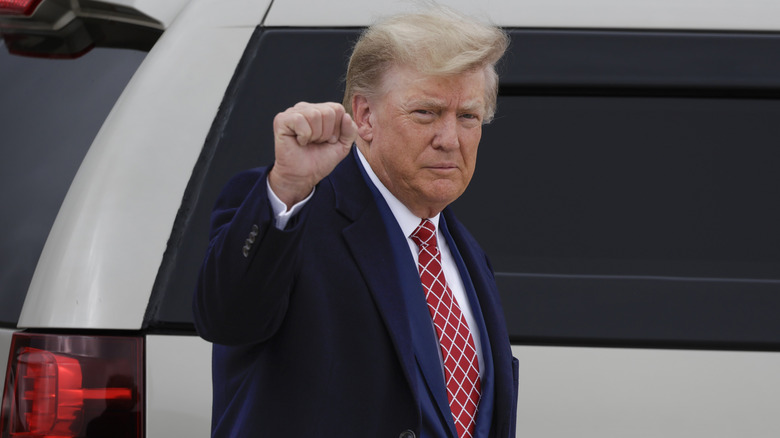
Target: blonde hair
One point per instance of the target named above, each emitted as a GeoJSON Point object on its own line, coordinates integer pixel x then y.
{"type": "Point", "coordinates": [437, 41]}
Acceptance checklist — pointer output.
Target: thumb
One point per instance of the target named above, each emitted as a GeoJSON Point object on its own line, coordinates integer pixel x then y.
{"type": "Point", "coordinates": [348, 130]}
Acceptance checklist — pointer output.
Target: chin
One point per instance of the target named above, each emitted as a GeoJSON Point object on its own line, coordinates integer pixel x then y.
{"type": "Point", "coordinates": [441, 200]}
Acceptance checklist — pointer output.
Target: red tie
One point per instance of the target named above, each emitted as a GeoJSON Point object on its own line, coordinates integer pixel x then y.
{"type": "Point", "coordinates": [461, 368]}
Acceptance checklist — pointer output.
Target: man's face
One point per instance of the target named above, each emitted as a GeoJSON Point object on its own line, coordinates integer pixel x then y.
{"type": "Point", "coordinates": [423, 136]}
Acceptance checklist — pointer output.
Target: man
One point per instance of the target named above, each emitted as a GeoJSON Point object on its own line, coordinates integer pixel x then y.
{"type": "Point", "coordinates": [343, 298]}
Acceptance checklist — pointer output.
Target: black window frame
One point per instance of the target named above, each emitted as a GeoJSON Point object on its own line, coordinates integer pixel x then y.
{"type": "Point", "coordinates": [541, 309]}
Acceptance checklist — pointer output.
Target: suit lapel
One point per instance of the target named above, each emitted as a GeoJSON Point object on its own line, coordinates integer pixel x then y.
{"type": "Point", "coordinates": [488, 296]}
{"type": "Point", "coordinates": [486, 407]}
{"type": "Point", "coordinates": [371, 248]}
{"type": "Point", "coordinates": [374, 256]}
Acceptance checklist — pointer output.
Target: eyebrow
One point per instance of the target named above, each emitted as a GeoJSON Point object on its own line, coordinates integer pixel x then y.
{"type": "Point", "coordinates": [472, 106]}
{"type": "Point", "coordinates": [469, 106]}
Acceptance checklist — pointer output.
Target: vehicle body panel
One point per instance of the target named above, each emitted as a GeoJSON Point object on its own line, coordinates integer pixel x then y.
{"type": "Point", "coordinates": [5, 347]}
{"type": "Point", "coordinates": [644, 393]}
{"type": "Point", "coordinates": [178, 386]}
{"type": "Point", "coordinates": [753, 15]}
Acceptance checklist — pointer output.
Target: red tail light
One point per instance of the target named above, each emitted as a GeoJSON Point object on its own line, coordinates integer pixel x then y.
{"type": "Point", "coordinates": [18, 7]}
{"type": "Point", "coordinates": [73, 386]}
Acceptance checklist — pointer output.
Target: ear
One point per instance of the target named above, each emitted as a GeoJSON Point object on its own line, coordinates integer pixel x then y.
{"type": "Point", "coordinates": [361, 111]}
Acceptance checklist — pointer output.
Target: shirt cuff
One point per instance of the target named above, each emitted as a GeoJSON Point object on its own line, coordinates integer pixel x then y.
{"type": "Point", "coordinates": [281, 214]}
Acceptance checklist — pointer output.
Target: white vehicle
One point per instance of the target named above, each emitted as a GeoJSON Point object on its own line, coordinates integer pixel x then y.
{"type": "Point", "coordinates": [630, 178]}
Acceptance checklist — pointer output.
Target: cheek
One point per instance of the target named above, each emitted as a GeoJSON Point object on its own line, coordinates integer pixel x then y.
{"type": "Point", "coordinates": [469, 149]}
{"type": "Point", "coordinates": [400, 164]}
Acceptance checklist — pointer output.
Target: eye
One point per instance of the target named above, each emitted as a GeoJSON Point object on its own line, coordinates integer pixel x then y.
{"type": "Point", "coordinates": [471, 118]}
{"type": "Point", "coordinates": [422, 115]}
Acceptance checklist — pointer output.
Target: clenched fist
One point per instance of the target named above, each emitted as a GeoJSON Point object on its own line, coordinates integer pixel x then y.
{"type": "Point", "coordinates": [310, 139]}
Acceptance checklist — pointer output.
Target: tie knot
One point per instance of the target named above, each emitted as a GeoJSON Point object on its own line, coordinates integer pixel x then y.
{"type": "Point", "coordinates": [425, 234]}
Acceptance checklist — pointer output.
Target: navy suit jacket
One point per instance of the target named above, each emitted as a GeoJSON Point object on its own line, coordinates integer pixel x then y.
{"type": "Point", "coordinates": [311, 336]}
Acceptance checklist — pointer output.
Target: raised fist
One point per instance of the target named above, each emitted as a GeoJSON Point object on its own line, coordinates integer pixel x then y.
{"type": "Point", "coordinates": [310, 139]}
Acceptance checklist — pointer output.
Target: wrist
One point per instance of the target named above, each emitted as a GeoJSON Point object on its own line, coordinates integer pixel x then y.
{"type": "Point", "coordinates": [288, 190]}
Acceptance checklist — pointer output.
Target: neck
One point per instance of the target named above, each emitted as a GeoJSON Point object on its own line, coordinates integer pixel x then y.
{"type": "Point", "coordinates": [420, 211]}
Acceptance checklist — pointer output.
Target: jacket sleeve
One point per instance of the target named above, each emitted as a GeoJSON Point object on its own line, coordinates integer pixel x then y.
{"type": "Point", "coordinates": [246, 277]}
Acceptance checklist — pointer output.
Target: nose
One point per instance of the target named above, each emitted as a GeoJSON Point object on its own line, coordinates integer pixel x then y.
{"type": "Point", "coordinates": [447, 133]}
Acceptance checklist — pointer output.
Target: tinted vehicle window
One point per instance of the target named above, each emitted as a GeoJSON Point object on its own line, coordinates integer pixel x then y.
{"type": "Point", "coordinates": [630, 197]}
{"type": "Point", "coordinates": [632, 221]}
{"type": "Point", "coordinates": [639, 186]}
{"type": "Point", "coordinates": [50, 111]}
{"type": "Point", "coordinates": [625, 192]}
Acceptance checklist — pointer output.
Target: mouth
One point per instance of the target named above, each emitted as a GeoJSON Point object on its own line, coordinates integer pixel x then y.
{"type": "Point", "coordinates": [443, 171]}
{"type": "Point", "coordinates": [442, 167]}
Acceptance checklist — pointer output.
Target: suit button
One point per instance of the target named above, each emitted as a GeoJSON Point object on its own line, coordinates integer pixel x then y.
{"type": "Point", "coordinates": [245, 250]}
{"type": "Point", "coordinates": [407, 434]}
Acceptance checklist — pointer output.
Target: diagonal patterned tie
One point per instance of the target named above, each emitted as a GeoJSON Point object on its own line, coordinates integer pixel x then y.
{"type": "Point", "coordinates": [461, 368]}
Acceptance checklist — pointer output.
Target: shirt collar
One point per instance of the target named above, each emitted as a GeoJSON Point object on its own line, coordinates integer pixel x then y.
{"type": "Point", "coordinates": [407, 220]}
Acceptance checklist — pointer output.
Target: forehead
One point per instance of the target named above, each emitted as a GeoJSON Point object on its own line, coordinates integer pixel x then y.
{"type": "Point", "coordinates": [408, 85]}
